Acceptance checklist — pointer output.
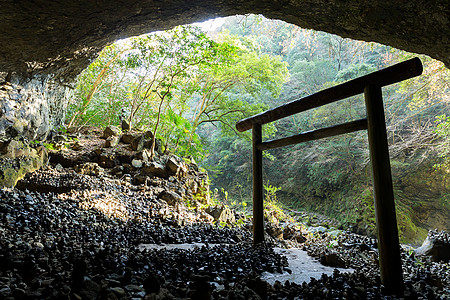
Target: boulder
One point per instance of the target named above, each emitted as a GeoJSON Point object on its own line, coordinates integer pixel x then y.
{"type": "Point", "coordinates": [274, 230]}
{"type": "Point", "coordinates": [140, 179]}
{"type": "Point", "coordinates": [154, 169]}
{"type": "Point", "coordinates": [176, 166]}
{"type": "Point", "coordinates": [332, 260]}
{"type": "Point", "coordinates": [143, 155]}
{"type": "Point", "coordinates": [137, 163]}
{"type": "Point", "coordinates": [289, 232]}
{"type": "Point", "coordinates": [221, 214]}
{"type": "Point", "coordinates": [111, 130]}
{"type": "Point", "coordinates": [18, 161]}
{"type": "Point", "coordinates": [137, 144]}
{"type": "Point", "coordinates": [10, 148]}
{"type": "Point", "coordinates": [107, 160]}
{"type": "Point", "coordinates": [158, 147]}
{"type": "Point", "coordinates": [149, 135]}
{"type": "Point", "coordinates": [127, 138]}
{"type": "Point", "coordinates": [89, 290]}
{"type": "Point", "coordinates": [152, 284]}
{"type": "Point", "coordinates": [125, 125]}
{"type": "Point", "coordinates": [112, 141]}
{"type": "Point", "coordinates": [437, 249]}
{"type": "Point", "coordinates": [170, 197]}
{"type": "Point", "coordinates": [299, 238]}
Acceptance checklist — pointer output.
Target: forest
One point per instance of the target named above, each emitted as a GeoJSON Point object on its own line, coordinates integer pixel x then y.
{"type": "Point", "coordinates": [190, 86]}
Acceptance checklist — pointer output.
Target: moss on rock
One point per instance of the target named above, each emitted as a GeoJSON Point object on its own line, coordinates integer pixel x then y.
{"type": "Point", "coordinates": [18, 160]}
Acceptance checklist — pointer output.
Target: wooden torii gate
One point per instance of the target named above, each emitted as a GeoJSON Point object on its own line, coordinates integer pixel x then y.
{"type": "Point", "coordinates": [388, 242]}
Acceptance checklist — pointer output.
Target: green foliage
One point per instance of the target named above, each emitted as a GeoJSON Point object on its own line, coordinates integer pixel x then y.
{"type": "Point", "coordinates": [318, 175]}
{"type": "Point", "coordinates": [191, 89]}
{"type": "Point", "coordinates": [175, 82]}
{"type": "Point", "coordinates": [443, 131]}
{"type": "Point", "coordinates": [273, 210]}
{"type": "Point", "coordinates": [354, 71]}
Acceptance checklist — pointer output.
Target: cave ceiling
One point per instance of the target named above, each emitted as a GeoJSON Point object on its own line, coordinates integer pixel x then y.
{"type": "Point", "coordinates": [61, 37]}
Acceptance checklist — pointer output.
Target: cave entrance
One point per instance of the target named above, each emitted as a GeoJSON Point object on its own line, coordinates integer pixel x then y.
{"type": "Point", "coordinates": [388, 241]}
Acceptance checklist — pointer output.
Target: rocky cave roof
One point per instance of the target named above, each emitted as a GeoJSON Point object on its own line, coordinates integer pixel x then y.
{"type": "Point", "coordinates": [63, 36]}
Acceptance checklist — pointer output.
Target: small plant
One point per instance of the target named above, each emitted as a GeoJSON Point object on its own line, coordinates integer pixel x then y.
{"type": "Point", "coordinates": [50, 146]}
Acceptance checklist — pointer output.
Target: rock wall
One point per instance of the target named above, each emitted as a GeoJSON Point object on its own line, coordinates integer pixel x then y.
{"type": "Point", "coordinates": [31, 107]}
{"type": "Point", "coordinates": [61, 36]}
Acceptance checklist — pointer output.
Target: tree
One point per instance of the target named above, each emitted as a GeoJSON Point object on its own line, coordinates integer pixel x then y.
{"type": "Point", "coordinates": [219, 88]}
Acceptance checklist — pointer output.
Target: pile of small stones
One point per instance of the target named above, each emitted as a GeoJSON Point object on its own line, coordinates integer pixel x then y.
{"type": "Point", "coordinates": [77, 236]}
{"type": "Point", "coordinates": [424, 278]}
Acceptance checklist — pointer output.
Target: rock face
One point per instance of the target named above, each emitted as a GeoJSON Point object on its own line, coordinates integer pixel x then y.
{"type": "Point", "coordinates": [30, 108]}
{"type": "Point", "coordinates": [436, 245]}
{"type": "Point", "coordinates": [17, 159]}
{"type": "Point", "coordinates": [64, 36]}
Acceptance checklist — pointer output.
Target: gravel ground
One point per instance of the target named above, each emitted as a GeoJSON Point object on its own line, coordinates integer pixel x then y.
{"type": "Point", "coordinates": [78, 237]}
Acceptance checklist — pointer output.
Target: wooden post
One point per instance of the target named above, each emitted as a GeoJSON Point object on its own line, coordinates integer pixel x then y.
{"type": "Point", "coordinates": [388, 243]}
{"type": "Point", "coordinates": [258, 201]}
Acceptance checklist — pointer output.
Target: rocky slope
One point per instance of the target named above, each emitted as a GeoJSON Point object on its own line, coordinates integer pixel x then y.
{"type": "Point", "coordinates": [75, 229]}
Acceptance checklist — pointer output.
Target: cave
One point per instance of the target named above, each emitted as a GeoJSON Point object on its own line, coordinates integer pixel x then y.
{"type": "Point", "coordinates": [45, 45]}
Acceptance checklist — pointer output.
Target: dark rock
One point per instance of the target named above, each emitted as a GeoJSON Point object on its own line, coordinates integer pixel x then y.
{"type": "Point", "coordinates": [437, 249]}
{"type": "Point", "coordinates": [154, 169]}
{"type": "Point", "coordinates": [133, 288]}
{"type": "Point", "coordinates": [258, 286]}
{"type": "Point", "coordinates": [221, 214]}
{"type": "Point", "coordinates": [152, 284]}
{"type": "Point", "coordinates": [125, 125]}
{"type": "Point", "coordinates": [176, 166]}
{"type": "Point", "coordinates": [110, 131]}
{"type": "Point", "coordinates": [118, 291]}
{"type": "Point", "coordinates": [148, 135]}
{"type": "Point", "coordinates": [78, 273]}
{"type": "Point", "coordinates": [89, 290]}
{"type": "Point", "coordinates": [128, 138]}
{"type": "Point", "coordinates": [66, 161]}
{"type": "Point", "coordinates": [5, 292]}
{"type": "Point", "coordinates": [299, 238]}
{"type": "Point", "coordinates": [140, 179]}
{"type": "Point", "coordinates": [170, 197]}
{"type": "Point", "coordinates": [112, 141]}
{"type": "Point", "coordinates": [18, 293]}
{"type": "Point", "coordinates": [332, 260]}
{"type": "Point", "coordinates": [158, 145]}
{"type": "Point", "coordinates": [137, 144]}
{"type": "Point", "coordinates": [200, 287]}
{"type": "Point", "coordinates": [108, 160]}
{"type": "Point", "coordinates": [143, 155]}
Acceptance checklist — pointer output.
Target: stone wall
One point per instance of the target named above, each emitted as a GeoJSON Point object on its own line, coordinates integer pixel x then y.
{"type": "Point", "coordinates": [31, 107]}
